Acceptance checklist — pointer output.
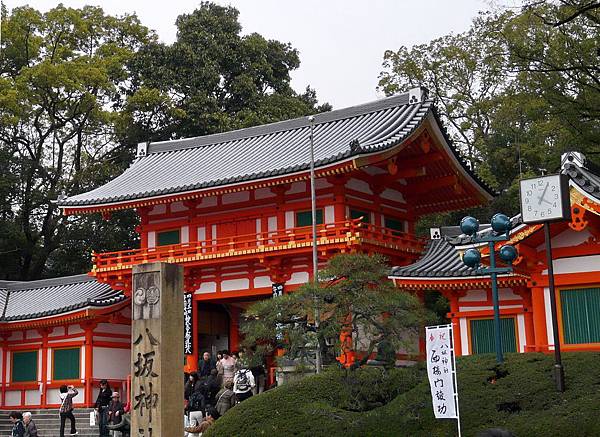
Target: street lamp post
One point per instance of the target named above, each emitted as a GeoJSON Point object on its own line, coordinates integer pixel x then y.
{"type": "Point", "coordinates": [313, 203]}
{"type": "Point", "coordinates": [501, 227]}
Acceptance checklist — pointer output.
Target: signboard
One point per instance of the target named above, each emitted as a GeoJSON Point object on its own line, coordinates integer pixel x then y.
{"type": "Point", "coordinates": [188, 340]}
{"type": "Point", "coordinates": [441, 370]}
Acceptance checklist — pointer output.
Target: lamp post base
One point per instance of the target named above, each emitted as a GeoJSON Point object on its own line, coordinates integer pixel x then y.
{"type": "Point", "coordinates": [559, 377]}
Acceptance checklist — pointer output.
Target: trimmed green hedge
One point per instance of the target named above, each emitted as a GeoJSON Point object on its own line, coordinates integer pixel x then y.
{"type": "Point", "coordinates": [519, 395]}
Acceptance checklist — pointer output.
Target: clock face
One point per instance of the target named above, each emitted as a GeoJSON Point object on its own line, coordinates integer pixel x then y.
{"type": "Point", "coordinates": [544, 199]}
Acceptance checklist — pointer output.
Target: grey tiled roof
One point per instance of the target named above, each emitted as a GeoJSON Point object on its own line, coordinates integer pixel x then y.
{"type": "Point", "coordinates": [47, 297]}
{"type": "Point", "coordinates": [265, 151]}
{"type": "Point", "coordinates": [584, 178]}
{"type": "Point", "coordinates": [440, 260]}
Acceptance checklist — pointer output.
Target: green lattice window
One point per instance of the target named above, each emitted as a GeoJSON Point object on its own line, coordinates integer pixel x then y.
{"type": "Point", "coordinates": [24, 366]}
{"type": "Point", "coordinates": [65, 364]}
{"type": "Point", "coordinates": [581, 315]}
{"type": "Point", "coordinates": [304, 218]}
{"type": "Point", "coordinates": [355, 213]}
{"type": "Point", "coordinates": [483, 340]}
{"type": "Point", "coordinates": [168, 237]}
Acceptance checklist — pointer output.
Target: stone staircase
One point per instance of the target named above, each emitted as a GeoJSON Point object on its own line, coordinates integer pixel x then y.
{"type": "Point", "coordinates": [48, 423]}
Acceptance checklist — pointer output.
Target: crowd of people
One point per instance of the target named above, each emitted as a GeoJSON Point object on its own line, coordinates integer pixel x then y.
{"type": "Point", "coordinates": [219, 384]}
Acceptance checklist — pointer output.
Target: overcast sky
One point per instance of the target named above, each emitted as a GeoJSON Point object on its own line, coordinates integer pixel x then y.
{"type": "Point", "coordinates": [341, 42]}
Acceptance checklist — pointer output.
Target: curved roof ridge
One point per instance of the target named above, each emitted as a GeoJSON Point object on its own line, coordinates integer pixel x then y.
{"type": "Point", "coordinates": [279, 126]}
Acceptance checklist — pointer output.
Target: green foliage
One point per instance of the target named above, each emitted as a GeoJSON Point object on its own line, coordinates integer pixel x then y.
{"type": "Point", "coordinates": [514, 85]}
{"type": "Point", "coordinates": [353, 296]}
{"type": "Point", "coordinates": [80, 88]}
{"type": "Point", "coordinates": [321, 405]}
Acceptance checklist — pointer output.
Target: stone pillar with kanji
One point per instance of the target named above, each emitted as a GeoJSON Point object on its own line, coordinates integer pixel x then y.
{"type": "Point", "coordinates": [157, 350]}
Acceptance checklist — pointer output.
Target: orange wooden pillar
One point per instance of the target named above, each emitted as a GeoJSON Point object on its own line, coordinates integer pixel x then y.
{"type": "Point", "coordinates": [347, 355]}
{"type": "Point", "coordinates": [539, 319]}
{"type": "Point", "coordinates": [89, 359]}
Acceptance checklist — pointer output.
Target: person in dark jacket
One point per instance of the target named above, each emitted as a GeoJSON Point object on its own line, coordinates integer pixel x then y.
{"type": "Point", "coordinates": [18, 429]}
{"type": "Point", "coordinates": [115, 410]}
{"type": "Point", "coordinates": [102, 401]}
{"type": "Point", "coordinates": [30, 428]}
{"type": "Point", "coordinates": [212, 387]}
{"type": "Point", "coordinates": [192, 385]}
{"type": "Point", "coordinates": [205, 365]}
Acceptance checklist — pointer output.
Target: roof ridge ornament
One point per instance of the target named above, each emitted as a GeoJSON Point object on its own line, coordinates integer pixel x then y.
{"type": "Point", "coordinates": [142, 149]}
{"type": "Point", "coordinates": [576, 158]}
{"type": "Point", "coordinates": [417, 95]}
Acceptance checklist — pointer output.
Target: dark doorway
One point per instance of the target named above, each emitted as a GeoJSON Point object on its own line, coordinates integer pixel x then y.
{"type": "Point", "coordinates": [213, 328]}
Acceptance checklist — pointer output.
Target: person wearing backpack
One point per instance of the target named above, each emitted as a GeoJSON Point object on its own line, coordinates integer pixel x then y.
{"type": "Point", "coordinates": [196, 406]}
{"type": "Point", "coordinates": [243, 383]}
{"type": "Point", "coordinates": [225, 398]}
{"type": "Point", "coordinates": [66, 395]}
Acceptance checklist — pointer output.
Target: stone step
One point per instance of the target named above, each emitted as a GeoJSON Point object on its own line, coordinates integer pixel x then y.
{"type": "Point", "coordinates": [48, 422]}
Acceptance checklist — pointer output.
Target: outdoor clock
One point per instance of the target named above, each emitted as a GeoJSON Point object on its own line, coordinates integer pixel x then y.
{"type": "Point", "coordinates": [545, 199]}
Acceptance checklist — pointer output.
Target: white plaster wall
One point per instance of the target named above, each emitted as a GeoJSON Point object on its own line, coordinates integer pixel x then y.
{"type": "Point", "coordinates": [32, 397]}
{"type": "Point", "coordinates": [214, 233]}
{"type": "Point", "coordinates": [358, 185]}
{"type": "Point", "coordinates": [392, 195]}
{"type": "Point", "coordinates": [507, 294]}
{"type": "Point", "coordinates": [322, 183]}
{"type": "Point", "coordinates": [49, 368]}
{"type": "Point", "coordinates": [16, 335]}
{"type": "Point", "coordinates": [201, 233]}
{"type": "Point", "coordinates": [208, 201]}
{"type": "Point", "coordinates": [262, 281]}
{"type": "Point", "coordinates": [298, 278]}
{"type": "Point", "coordinates": [329, 214]}
{"type": "Point", "coordinates": [207, 287]}
{"type": "Point", "coordinates": [240, 196]}
{"type": "Point", "coordinates": [263, 193]}
{"type": "Point", "coordinates": [568, 238]}
{"type": "Point", "coordinates": [53, 398]}
{"type": "Point", "coordinates": [32, 333]}
{"type": "Point", "coordinates": [178, 207]}
{"type": "Point", "coordinates": [474, 296]}
{"type": "Point", "coordinates": [235, 284]}
{"type": "Point", "coordinates": [111, 363]}
{"type": "Point", "coordinates": [297, 187]}
{"type": "Point", "coordinates": [158, 209]}
{"type": "Point", "coordinates": [576, 265]}
{"type": "Point", "coordinates": [464, 336]}
{"type": "Point", "coordinates": [13, 397]}
{"type": "Point", "coordinates": [289, 219]}
{"type": "Point", "coordinates": [66, 340]}
{"type": "Point", "coordinates": [151, 239]}
{"type": "Point", "coordinates": [487, 307]}
{"type": "Point", "coordinates": [82, 363]}
{"type": "Point", "coordinates": [258, 225]}
{"type": "Point", "coordinates": [521, 332]}
{"type": "Point", "coordinates": [185, 234]}
{"type": "Point", "coordinates": [74, 329]}
{"type": "Point", "coordinates": [272, 223]}
{"type": "Point", "coordinates": [113, 328]}
{"type": "Point", "coordinates": [111, 339]}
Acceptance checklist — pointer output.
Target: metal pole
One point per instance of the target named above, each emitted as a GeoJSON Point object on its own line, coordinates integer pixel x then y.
{"type": "Point", "coordinates": [313, 202]}
{"type": "Point", "coordinates": [559, 374]}
{"type": "Point", "coordinates": [494, 275]}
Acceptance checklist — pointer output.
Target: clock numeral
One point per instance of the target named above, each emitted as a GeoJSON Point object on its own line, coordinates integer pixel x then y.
{"type": "Point", "coordinates": [529, 193]}
{"type": "Point", "coordinates": [554, 205]}
{"type": "Point", "coordinates": [553, 187]}
{"type": "Point", "coordinates": [549, 211]}
{"type": "Point", "coordinates": [556, 196]}
{"type": "Point", "coordinates": [529, 208]}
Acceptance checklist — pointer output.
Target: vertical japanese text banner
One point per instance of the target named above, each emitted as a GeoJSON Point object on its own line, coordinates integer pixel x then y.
{"type": "Point", "coordinates": [441, 371]}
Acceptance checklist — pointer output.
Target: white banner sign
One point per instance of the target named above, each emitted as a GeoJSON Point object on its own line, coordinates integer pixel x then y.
{"type": "Point", "coordinates": [441, 371]}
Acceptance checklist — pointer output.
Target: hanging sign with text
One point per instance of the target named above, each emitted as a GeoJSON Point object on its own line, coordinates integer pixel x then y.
{"type": "Point", "coordinates": [441, 370]}
{"type": "Point", "coordinates": [188, 342]}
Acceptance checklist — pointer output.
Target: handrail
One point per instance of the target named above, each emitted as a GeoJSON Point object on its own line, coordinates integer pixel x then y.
{"type": "Point", "coordinates": [268, 239]}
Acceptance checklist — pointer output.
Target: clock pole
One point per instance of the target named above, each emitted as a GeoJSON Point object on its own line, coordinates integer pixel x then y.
{"type": "Point", "coordinates": [559, 374]}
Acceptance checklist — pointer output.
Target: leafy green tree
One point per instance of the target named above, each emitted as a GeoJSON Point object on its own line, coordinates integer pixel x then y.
{"type": "Point", "coordinates": [515, 91]}
{"type": "Point", "coordinates": [213, 79]}
{"type": "Point", "coordinates": [353, 297]}
{"type": "Point", "coordinates": [61, 76]}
